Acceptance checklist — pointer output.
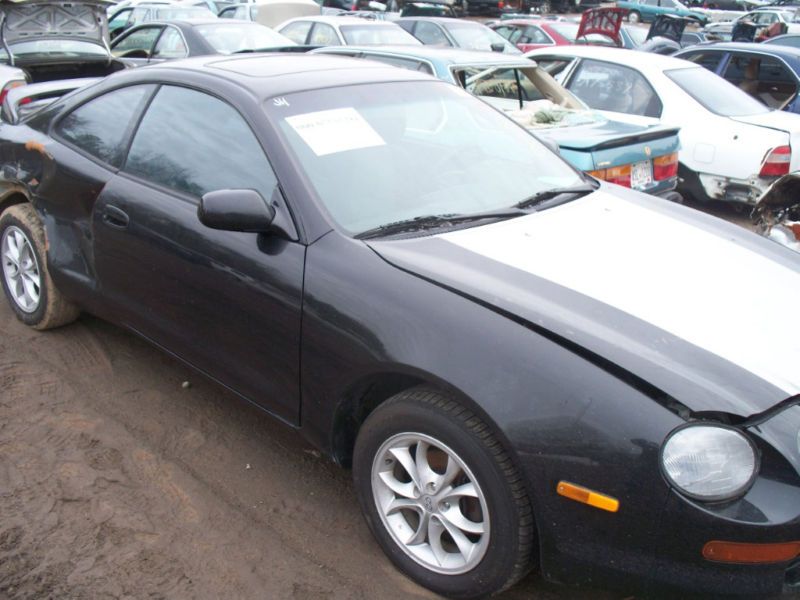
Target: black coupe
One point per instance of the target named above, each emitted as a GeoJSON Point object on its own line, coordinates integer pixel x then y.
{"type": "Point", "coordinates": [522, 365]}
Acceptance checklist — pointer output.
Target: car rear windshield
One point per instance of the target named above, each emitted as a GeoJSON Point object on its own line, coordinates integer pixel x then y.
{"type": "Point", "coordinates": [372, 35]}
{"type": "Point", "coordinates": [227, 38]}
{"type": "Point", "coordinates": [411, 149]}
{"type": "Point", "coordinates": [716, 94]}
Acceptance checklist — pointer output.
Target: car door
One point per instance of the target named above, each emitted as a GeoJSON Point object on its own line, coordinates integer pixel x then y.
{"type": "Point", "coordinates": [228, 303]}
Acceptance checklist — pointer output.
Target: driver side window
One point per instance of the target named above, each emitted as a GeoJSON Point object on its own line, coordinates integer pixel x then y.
{"type": "Point", "coordinates": [171, 45]}
{"type": "Point", "coordinates": [138, 42]}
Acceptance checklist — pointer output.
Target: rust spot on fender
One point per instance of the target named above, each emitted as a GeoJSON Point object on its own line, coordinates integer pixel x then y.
{"type": "Point", "coordinates": [35, 146]}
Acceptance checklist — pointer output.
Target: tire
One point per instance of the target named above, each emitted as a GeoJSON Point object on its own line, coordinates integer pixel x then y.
{"type": "Point", "coordinates": [499, 531]}
{"type": "Point", "coordinates": [634, 17]}
{"type": "Point", "coordinates": [41, 305]}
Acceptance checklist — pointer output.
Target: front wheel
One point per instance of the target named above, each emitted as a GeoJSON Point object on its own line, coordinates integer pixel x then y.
{"type": "Point", "coordinates": [634, 17]}
{"type": "Point", "coordinates": [442, 497]}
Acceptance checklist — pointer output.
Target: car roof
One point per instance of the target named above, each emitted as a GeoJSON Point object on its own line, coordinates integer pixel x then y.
{"type": "Point", "coordinates": [441, 20]}
{"type": "Point", "coordinates": [643, 61]}
{"type": "Point", "coordinates": [530, 22]}
{"type": "Point", "coordinates": [337, 20]}
{"type": "Point", "coordinates": [778, 50]}
{"type": "Point", "coordinates": [446, 55]}
{"type": "Point", "coordinates": [276, 74]}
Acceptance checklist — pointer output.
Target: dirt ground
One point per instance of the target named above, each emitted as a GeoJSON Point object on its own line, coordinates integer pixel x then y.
{"type": "Point", "coordinates": [118, 482]}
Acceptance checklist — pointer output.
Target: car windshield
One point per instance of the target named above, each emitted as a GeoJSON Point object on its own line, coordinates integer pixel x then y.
{"type": "Point", "coordinates": [715, 93]}
{"type": "Point", "coordinates": [411, 149]}
{"type": "Point", "coordinates": [372, 35]}
{"type": "Point", "coordinates": [474, 36]}
{"type": "Point", "coordinates": [55, 48]}
{"type": "Point", "coordinates": [227, 38]}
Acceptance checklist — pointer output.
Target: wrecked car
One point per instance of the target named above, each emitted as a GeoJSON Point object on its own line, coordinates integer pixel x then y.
{"type": "Point", "coordinates": [522, 365]}
{"type": "Point", "coordinates": [41, 40]}
{"type": "Point", "coordinates": [665, 35]}
{"type": "Point", "coordinates": [733, 147]}
{"type": "Point", "coordinates": [777, 213]}
{"type": "Point", "coordinates": [641, 156]}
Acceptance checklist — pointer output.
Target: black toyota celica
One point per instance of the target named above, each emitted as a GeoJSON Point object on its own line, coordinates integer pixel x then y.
{"type": "Point", "coordinates": [523, 366]}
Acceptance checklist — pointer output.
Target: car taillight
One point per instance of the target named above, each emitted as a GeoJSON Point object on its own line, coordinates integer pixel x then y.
{"type": "Point", "coordinates": [777, 162]}
{"type": "Point", "coordinates": [10, 86]}
{"type": "Point", "coordinates": [619, 175]}
{"type": "Point", "coordinates": [665, 167]}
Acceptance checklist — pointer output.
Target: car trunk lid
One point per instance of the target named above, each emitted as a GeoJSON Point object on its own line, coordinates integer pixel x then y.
{"type": "Point", "coordinates": [40, 20]}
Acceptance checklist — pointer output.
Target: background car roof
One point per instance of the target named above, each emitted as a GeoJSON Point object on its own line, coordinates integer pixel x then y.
{"type": "Point", "coordinates": [441, 55]}
{"type": "Point", "coordinates": [267, 75]}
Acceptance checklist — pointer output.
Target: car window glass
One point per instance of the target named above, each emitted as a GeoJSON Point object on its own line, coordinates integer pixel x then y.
{"type": "Point", "coordinates": [506, 31]}
{"type": "Point", "coordinates": [606, 86]}
{"type": "Point", "coordinates": [323, 35]}
{"type": "Point", "coordinates": [253, 13]}
{"type": "Point", "coordinates": [141, 40]}
{"type": "Point", "coordinates": [138, 15]}
{"type": "Point", "coordinates": [709, 59]}
{"type": "Point", "coordinates": [722, 98]}
{"type": "Point", "coordinates": [789, 40]}
{"type": "Point", "coordinates": [651, 2]}
{"type": "Point", "coordinates": [555, 67]}
{"type": "Point", "coordinates": [171, 45]}
{"type": "Point", "coordinates": [194, 143]}
{"type": "Point", "coordinates": [120, 20]}
{"type": "Point", "coordinates": [430, 34]}
{"type": "Point", "coordinates": [763, 77]}
{"type": "Point", "coordinates": [228, 13]}
{"type": "Point", "coordinates": [534, 35]}
{"type": "Point", "coordinates": [297, 31]}
{"type": "Point", "coordinates": [498, 83]}
{"type": "Point", "coordinates": [101, 126]}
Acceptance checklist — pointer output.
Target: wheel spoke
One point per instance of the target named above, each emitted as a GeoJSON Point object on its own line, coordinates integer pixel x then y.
{"type": "Point", "coordinates": [450, 473]}
{"type": "Point", "coordinates": [464, 545]}
{"type": "Point", "coordinates": [33, 275]}
{"type": "Point", "coordinates": [10, 257]}
{"type": "Point", "coordinates": [404, 488]}
{"type": "Point", "coordinates": [454, 516]}
{"type": "Point", "coordinates": [421, 534]}
{"type": "Point", "coordinates": [401, 504]}
{"type": "Point", "coordinates": [403, 456]}
{"type": "Point", "coordinates": [468, 489]}
{"type": "Point", "coordinates": [435, 531]}
{"type": "Point", "coordinates": [424, 472]}
{"type": "Point", "coordinates": [31, 292]}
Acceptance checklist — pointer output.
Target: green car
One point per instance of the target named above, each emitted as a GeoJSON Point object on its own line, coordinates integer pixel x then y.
{"type": "Point", "coordinates": [647, 10]}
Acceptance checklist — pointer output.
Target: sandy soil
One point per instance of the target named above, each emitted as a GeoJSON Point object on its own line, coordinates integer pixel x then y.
{"type": "Point", "coordinates": [118, 482]}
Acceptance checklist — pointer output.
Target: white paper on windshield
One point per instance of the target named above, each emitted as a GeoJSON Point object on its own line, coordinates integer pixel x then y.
{"type": "Point", "coordinates": [332, 131]}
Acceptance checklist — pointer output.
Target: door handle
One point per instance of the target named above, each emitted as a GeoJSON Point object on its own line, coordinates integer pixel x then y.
{"type": "Point", "coordinates": [114, 217]}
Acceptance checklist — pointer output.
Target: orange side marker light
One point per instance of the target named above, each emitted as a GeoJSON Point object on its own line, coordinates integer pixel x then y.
{"type": "Point", "coordinates": [738, 552]}
{"type": "Point", "coordinates": [587, 496]}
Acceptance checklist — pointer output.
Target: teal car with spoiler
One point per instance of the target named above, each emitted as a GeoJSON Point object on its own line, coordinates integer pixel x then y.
{"type": "Point", "coordinates": [643, 157]}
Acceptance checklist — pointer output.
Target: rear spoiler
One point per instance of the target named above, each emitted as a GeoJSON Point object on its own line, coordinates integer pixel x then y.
{"type": "Point", "coordinates": [26, 99]}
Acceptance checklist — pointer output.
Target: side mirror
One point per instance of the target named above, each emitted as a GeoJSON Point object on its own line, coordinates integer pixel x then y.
{"type": "Point", "coordinates": [498, 46]}
{"type": "Point", "coordinates": [236, 210]}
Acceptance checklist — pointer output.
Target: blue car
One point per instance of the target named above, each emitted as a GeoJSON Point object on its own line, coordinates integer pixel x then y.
{"type": "Point", "coordinates": [768, 72]}
{"type": "Point", "coordinates": [642, 157]}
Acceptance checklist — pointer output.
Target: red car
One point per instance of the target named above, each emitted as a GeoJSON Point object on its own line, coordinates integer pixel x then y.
{"type": "Point", "coordinates": [601, 26]}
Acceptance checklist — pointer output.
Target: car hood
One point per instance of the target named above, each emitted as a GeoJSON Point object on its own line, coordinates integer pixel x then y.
{"type": "Point", "coordinates": [48, 20]}
{"type": "Point", "coordinates": [659, 294]}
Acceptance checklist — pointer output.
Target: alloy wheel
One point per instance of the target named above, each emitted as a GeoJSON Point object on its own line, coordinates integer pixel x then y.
{"type": "Point", "coordinates": [21, 269]}
{"type": "Point", "coordinates": [430, 503]}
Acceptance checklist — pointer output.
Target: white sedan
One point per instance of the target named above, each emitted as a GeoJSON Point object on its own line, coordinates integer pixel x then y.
{"type": "Point", "coordinates": [344, 31]}
{"type": "Point", "coordinates": [732, 146]}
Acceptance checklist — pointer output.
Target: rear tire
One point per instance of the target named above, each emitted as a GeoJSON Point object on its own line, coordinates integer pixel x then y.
{"type": "Point", "coordinates": [634, 17]}
{"type": "Point", "coordinates": [26, 279]}
{"type": "Point", "coordinates": [442, 497]}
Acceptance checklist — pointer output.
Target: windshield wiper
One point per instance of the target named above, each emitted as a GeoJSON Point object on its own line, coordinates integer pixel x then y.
{"type": "Point", "coordinates": [425, 222]}
{"type": "Point", "coordinates": [556, 196]}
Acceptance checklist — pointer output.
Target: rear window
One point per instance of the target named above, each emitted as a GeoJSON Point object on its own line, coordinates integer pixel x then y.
{"type": "Point", "coordinates": [372, 35]}
{"type": "Point", "coordinates": [722, 98]}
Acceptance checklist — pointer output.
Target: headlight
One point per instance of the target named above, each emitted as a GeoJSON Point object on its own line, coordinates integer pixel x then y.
{"type": "Point", "coordinates": [709, 462]}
